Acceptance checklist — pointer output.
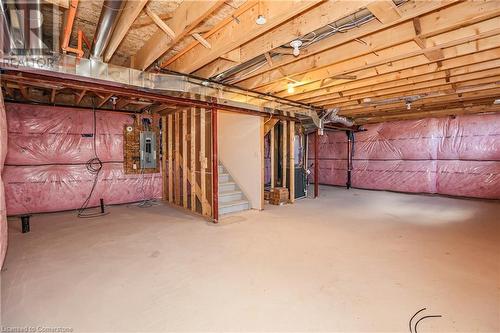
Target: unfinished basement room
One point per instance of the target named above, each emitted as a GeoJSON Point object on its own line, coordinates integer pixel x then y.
{"type": "Point", "coordinates": [250, 166]}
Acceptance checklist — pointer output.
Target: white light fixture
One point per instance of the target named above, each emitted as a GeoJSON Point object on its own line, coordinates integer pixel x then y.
{"type": "Point", "coordinates": [497, 101]}
{"type": "Point", "coordinates": [261, 20]}
{"type": "Point", "coordinates": [296, 44]}
{"type": "Point", "coordinates": [290, 88]}
{"type": "Point", "coordinates": [408, 105]}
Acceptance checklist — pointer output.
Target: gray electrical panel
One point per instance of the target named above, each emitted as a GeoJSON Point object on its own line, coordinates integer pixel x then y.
{"type": "Point", "coordinates": [148, 150]}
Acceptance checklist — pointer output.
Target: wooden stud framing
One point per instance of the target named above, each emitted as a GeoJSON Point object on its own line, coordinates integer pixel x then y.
{"type": "Point", "coordinates": [292, 161]}
{"type": "Point", "coordinates": [170, 160]}
{"type": "Point", "coordinates": [164, 149]}
{"type": "Point", "coordinates": [271, 152]}
{"type": "Point", "coordinates": [284, 151]}
{"type": "Point", "coordinates": [193, 159]}
{"type": "Point", "coordinates": [184, 160]}
{"type": "Point", "coordinates": [203, 165]}
{"type": "Point", "coordinates": [316, 164]}
{"type": "Point", "coordinates": [177, 157]}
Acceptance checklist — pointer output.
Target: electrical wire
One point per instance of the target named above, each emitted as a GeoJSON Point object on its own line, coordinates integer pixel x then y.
{"type": "Point", "coordinates": [424, 317]}
{"type": "Point", "coordinates": [413, 317]}
{"type": "Point", "coordinates": [94, 167]}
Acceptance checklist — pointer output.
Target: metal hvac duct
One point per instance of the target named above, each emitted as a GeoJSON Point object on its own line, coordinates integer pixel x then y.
{"type": "Point", "coordinates": [111, 11]}
{"type": "Point", "coordinates": [21, 27]}
{"type": "Point", "coordinates": [34, 21]}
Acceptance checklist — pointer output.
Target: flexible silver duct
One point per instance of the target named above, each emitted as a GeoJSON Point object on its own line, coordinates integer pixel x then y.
{"type": "Point", "coordinates": [331, 116]}
{"type": "Point", "coordinates": [111, 11]}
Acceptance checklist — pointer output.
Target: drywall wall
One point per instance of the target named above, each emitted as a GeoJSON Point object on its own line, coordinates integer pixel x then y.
{"type": "Point", "coordinates": [3, 153]}
{"type": "Point", "coordinates": [48, 148]}
{"type": "Point", "coordinates": [241, 152]}
{"type": "Point", "coordinates": [454, 156]}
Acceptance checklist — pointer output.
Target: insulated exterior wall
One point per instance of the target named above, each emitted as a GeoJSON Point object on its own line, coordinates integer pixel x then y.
{"type": "Point", "coordinates": [3, 153]}
{"type": "Point", "coordinates": [48, 147]}
{"type": "Point", "coordinates": [454, 156]}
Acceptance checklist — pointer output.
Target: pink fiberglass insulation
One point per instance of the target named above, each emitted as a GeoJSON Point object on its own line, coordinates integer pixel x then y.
{"type": "Point", "coordinates": [454, 156]}
{"type": "Point", "coordinates": [332, 158]}
{"type": "Point", "coordinates": [3, 153]}
{"type": "Point", "coordinates": [47, 150]}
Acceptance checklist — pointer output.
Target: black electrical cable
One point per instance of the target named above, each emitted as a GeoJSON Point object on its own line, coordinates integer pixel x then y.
{"type": "Point", "coordinates": [431, 316]}
{"type": "Point", "coordinates": [416, 313]}
{"type": "Point", "coordinates": [94, 167]}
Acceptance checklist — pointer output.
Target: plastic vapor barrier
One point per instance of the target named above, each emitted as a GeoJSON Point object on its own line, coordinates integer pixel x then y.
{"type": "Point", "coordinates": [48, 147]}
{"type": "Point", "coordinates": [452, 156]}
{"type": "Point", "coordinates": [3, 153]}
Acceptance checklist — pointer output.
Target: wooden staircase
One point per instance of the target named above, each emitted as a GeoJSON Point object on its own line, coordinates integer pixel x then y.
{"type": "Point", "coordinates": [231, 198]}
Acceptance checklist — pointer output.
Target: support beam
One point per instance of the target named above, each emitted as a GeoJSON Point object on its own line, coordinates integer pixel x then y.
{"type": "Point", "coordinates": [170, 159]}
{"type": "Point", "coordinates": [203, 164]}
{"type": "Point", "coordinates": [177, 163]}
{"type": "Point", "coordinates": [215, 167]}
{"type": "Point", "coordinates": [129, 14]}
{"type": "Point", "coordinates": [186, 17]}
{"type": "Point", "coordinates": [164, 149]}
{"type": "Point", "coordinates": [292, 162]}
{"type": "Point", "coordinates": [192, 138]}
{"type": "Point", "coordinates": [271, 152]}
{"type": "Point", "coordinates": [316, 164]}
{"type": "Point", "coordinates": [184, 160]}
{"type": "Point", "coordinates": [284, 152]}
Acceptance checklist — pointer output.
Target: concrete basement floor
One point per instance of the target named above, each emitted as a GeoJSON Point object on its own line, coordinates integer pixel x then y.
{"type": "Point", "coordinates": [352, 260]}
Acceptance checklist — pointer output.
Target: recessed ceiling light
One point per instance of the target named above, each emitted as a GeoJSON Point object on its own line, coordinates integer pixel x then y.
{"type": "Point", "coordinates": [261, 20]}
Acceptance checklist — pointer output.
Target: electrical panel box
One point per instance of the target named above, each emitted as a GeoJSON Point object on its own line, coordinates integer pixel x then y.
{"type": "Point", "coordinates": [148, 149]}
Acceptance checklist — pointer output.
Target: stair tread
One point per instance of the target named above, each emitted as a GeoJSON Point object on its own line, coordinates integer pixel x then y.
{"type": "Point", "coordinates": [232, 203]}
{"type": "Point", "coordinates": [228, 193]}
{"type": "Point", "coordinates": [227, 183]}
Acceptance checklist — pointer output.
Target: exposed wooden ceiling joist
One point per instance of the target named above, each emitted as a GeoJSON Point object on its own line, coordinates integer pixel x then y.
{"type": "Point", "coordinates": [408, 11]}
{"type": "Point", "coordinates": [319, 16]}
{"type": "Point", "coordinates": [129, 14]}
{"type": "Point", "coordinates": [400, 45]}
{"type": "Point", "coordinates": [241, 31]}
{"type": "Point", "coordinates": [187, 16]}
